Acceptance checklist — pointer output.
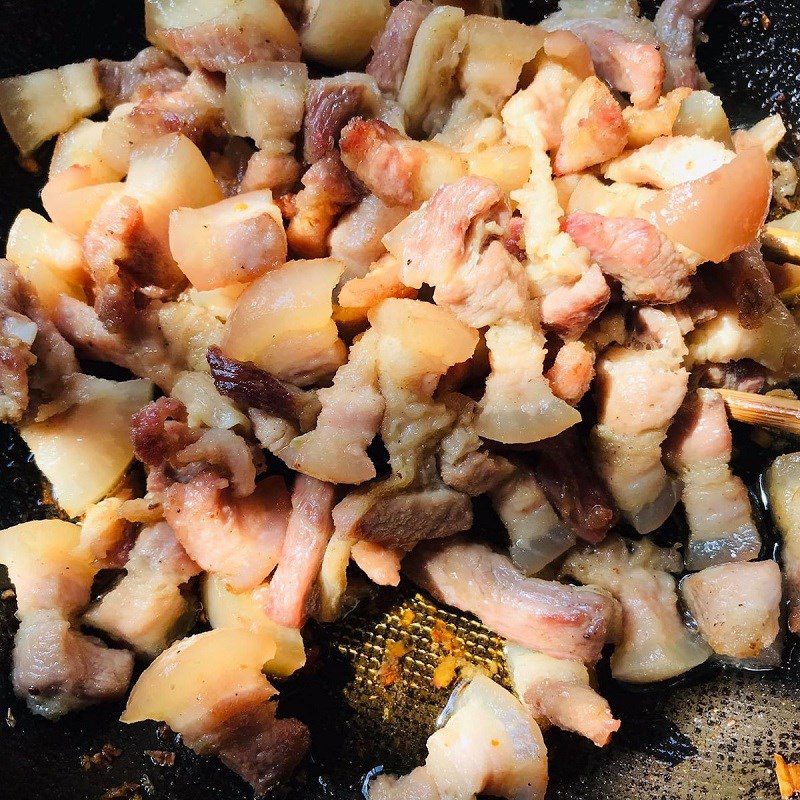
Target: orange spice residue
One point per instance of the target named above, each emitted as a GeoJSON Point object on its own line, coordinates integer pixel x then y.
{"type": "Point", "coordinates": [443, 635]}
{"type": "Point", "coordinates": [788, 777]}
{"type": "Point", "coordinates": [445, 672]}
{"type": "Point", "coordinates": [389, 671]}
{"type": "Point", "coordinates": [407, 617]}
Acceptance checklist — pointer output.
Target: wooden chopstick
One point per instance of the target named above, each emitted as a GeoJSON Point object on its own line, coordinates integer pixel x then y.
{"type": "Point", "coordinates": [780, 414]}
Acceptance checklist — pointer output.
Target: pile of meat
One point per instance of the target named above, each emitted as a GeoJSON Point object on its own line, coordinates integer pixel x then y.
{"type": "Point", "coordinates": [502, 260]}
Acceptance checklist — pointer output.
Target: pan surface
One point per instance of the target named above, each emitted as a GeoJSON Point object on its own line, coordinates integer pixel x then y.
{"type": "Point", "coordinates": [712, 736]}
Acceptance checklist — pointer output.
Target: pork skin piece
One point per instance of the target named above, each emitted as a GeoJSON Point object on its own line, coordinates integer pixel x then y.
{"type": "Point", "coordinates": [736, 606]}
{"type": "Point", "coordinates": [698, 448]}
{"type": "Point", "coordinates": [560, 620]}
{"type": "Point", "coordinates": [307, 534]}
{"type": "Point", "coordinates": [57, 669]}
{"type": "Point", "coordinates": [654, 643]}
{"type": "Point", "coordinates": [782, 481]}
{"type": "Point", "coordinates": [558, 692]}
{"type": "Point", "coordinates": [489, 745]}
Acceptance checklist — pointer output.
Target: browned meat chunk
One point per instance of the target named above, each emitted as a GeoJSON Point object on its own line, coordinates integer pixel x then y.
{"type": "Point", "coordinates": [259, 748]}
{"type": "Point", "coordinates": [564, 470]}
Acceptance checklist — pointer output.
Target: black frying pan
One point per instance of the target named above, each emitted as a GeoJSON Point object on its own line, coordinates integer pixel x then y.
{"type": "Point", "coordinates": [712, 736]}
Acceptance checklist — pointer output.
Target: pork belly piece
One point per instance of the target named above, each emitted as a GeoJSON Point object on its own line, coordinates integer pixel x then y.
{"type": "Point", "coordinates": [569, 310]}
{"type": "Point", "coordinates": [238, 537]}
{"type": "Point", "coordinates": [464, 463]}
{"type": "Point", "coordinates": [634, 252]}
{"type": "Point", "coordinates": [34, 357]}
{"type": "Point", "coordinates": [676, 25]}
{"type": "Point", "coordinates": [564, 471]}
{"type": "Point", "coordinates": [234, 241]}
{"type": "Point", "coordinates": [256, 389]}
{"type": "Point", "coordinates": [278, 172]}
{"type": "Point", "coordinates": [562, 64]}
{"type": "Point", "coordinates": [698, 449]}
{"type": "Point", "coordinates": [782, 482]}
{"type": "Point", "coordinates": [623, 46]}
{"type": "Point", "coordinates": [744, 376]}
{"type": "Point", "coordinates": [417, 344]}
{"type": "Point", "coordinates": [228, 713]}
{"type": "Point", "coordinates": [307, 533]}
{"type": "Point", "coordinates": [145, 351]}
{"type": "Point", "coordinates": [55, 668]}
{"type": "Point", "coordinates": [519, 406]}
{"type": "Point", "coordinates": [149, 71]}
{"type": "Point", "coordinates": [572, 371]}
{"type": "Point", "coordinates": [193, 108]}
{"type": "Point", "coordinates": [655, 644]}
{"type": "Point", "coordinates": [122, 255]}
{"type": "Point", "coordinates": [399, 170]}
{"type": "Point", "coordinates": [638, 392]}
{"type": "Point", "coordinates": [592, 131]}
{"type": "Point", "coordinates": [560, 620]}
{"type": "Point", "coordinates": [558, 691]}
{"type": "Point", "coordinates": [537, 535]}
{"type": "Point", "coordinates": [327, 191]}
{"type": "Point", "coordinates": [445, 245]}
{"type": "Point", "coordinates": [669, 160]}
{"type": "Point", "coordinates": [58, 669]}
{"type": "Point", "coordinates": [146, 608]}
{"type": "Point", "coordinates": [489, 745]}
{"type": "Point", "coordinates": [357, 238]}
{"type": "Point", "coordinates": [350, 416]}
{"type": "Point", "coordinates": [747, 280]}
{"type": "Point", "coordinates": [392, 49]}
{"type": "Point", "coordinates": [381, 282]}
{"type": "Point", "coordinates": [647, 124]}
{"type": "Point", "coordinates": [302, 347]}
{"type": "Point", "coordinates": [774, 342]}
{"type": "Point", "coordinates": [222, 36]}
{"type": "Point", "coordinates": [401, 519]}
{"type": "Point", "coordinates": [736, 606]}
{"type": "Point", "coordinates": [226, 522]}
